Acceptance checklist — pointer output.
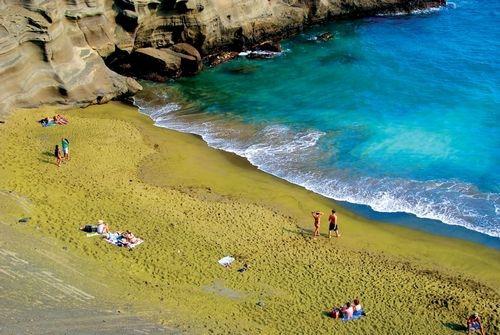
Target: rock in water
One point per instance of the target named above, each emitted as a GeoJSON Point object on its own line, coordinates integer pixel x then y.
{"type": "Point", "coordinates": [242, 69]}
{"type": "Point", "coordinates": [262, 54]}
{"type": "Point", "coordinates": [326, 36]}
{"type": "Point", "coordinates": [219, 58]}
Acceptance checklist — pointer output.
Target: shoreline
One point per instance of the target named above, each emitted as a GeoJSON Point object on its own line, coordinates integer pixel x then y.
{"type": "Point", "coordinates": [210, 138]}
{"type": "Point", "coordinates": [430, 226]}
{"type": "Point", "coordinates": [226, 53]}
{"type": "Point", "coordinates": [405, 219]}
{"type": "Point", "coordinates": [193, 204]}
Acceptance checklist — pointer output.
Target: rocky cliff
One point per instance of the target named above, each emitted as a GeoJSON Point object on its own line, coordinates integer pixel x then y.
{"type": "Point", "coordinates": [69, 51]}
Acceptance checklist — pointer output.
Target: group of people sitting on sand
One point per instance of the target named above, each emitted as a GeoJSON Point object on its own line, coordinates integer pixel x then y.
{"type": "Point", "coordinates": [121, 239]}
{"type": "Point", "coordinates": [354, 310]}
{"type": "Point", "coordinates": [349, 311]}
{"type": "Point", "coordinates": [56, 119]}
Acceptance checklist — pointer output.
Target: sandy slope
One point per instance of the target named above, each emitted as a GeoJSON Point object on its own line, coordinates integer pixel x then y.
{"type": "Point", "coordinates": [193, 205]}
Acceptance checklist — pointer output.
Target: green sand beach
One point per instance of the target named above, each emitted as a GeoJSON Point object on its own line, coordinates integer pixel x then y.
{"type": "Point", "coordinates": [193, 205]}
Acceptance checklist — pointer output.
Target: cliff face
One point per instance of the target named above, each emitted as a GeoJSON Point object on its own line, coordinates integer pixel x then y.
{"type": "Point", "coordinates": [62, 51]}
{"type": "Point", "coordinates": [51, 51]}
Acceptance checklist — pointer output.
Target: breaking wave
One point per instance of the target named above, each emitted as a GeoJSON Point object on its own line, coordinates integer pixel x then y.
{"type": "Point", "coordinates": [291, 154]}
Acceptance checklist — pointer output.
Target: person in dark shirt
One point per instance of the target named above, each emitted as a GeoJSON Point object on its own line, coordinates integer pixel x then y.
{"type": "Point", "coordinates": [58, 155]}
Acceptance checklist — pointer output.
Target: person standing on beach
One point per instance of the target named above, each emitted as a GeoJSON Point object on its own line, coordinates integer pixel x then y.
{"type": "Point", "coordinates": [65, 148]}
{"type": "Point", "coordinates": [58, 155]}
{"type": "Point", "coordinates": [332, 219]}
{"type": "Point", "coordinates": [317, 222]}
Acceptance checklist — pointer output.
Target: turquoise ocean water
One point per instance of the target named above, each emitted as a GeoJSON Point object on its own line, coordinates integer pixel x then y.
{"type": "Point", "coordinates": [398, 113]}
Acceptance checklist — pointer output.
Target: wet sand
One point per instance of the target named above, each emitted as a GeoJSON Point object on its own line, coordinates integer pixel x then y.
{"type": "Point", "coordinates": [193, 205]}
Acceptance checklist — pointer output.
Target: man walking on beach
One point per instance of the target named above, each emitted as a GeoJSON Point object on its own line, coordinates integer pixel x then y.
{"type": "Point", "coordinates": [317, 222]}
{"type": "Point", "coordinates": [65, 148]}
{"type": "Point", "coordinates": [332, 219]}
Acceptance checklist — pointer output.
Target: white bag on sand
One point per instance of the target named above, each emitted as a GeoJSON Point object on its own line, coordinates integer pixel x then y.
{"type": "Point", "coordinates": [226, 261]}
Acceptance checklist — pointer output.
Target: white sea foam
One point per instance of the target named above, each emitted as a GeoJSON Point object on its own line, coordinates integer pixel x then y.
{"type": "Point", "coordinates": [261, 54]}
{"type": "Point", "coordinates": [287, 153]}
{"type": "Point", "coordinates": [425, 11]}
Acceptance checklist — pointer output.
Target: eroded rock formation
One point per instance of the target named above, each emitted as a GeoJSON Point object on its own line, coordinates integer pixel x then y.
{"type": "Point", "coordinates": [69, 51]}
{"type": "Point", "coordinates": [51, 51]}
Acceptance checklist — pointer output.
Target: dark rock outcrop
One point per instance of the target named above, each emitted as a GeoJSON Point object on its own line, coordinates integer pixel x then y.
{"type": "Point", "coordinates": [159, 64]}
{"type": "Point", "coordinates": [323, 37]}
{"type": "Point", "coordinates": [155, 64]}
{"type": "Point", "coordinates": [53, 51]}
{"type": "Point", "coordinates": [221, 57]}
{"type": "Point", "coordinates": [272, 46]}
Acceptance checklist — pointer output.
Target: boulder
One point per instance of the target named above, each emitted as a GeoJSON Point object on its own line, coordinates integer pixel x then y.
{"type": "Point", "coordinates": [132, 86]}
{"type": "Point", "coordinates": [187, 49]}
{"type": "Point", "coordinates": [191, 58]}
{"type": "Point", "coordinates": [156, 64]}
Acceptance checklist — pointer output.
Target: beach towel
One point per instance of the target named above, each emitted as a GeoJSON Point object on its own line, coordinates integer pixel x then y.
{"type": "Point", "coordinates": [355, 316]}
{"type": "Point", "coordinates": [92, 234]}
{"type": "Point", "coordinates": [120, 241]}
{"type": "Point", "coordinates": [135, 244]}
{"type": "Point", "coordinates": [226, 261]}
{"type": "Point", "coordinates": [48, 124]}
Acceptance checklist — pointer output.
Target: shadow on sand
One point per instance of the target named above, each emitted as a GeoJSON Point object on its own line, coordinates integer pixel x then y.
{"type": "Point", "coordinates": [304, 232]}
{"type": "Point", "coordinates": [45, 158]}
{"type": "Point", "coordinates": [455, 326]}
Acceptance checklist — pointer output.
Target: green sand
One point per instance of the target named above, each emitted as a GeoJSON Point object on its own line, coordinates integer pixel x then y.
{"type": "Point", "coordinates": [193, 205]}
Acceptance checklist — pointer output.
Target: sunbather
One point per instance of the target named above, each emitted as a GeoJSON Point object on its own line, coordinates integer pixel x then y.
{"type": "Point", "coordinates": [358, 309]}
{"type": "Point", "coordinates": [102, 228]}
{"type": "Point", "coordinates": [60, 120]}
{"type": "Point", "coordinates": [45, 122]}
{"type": "Point", "coordinates": [335, 313]}
{"type": "Point", "coordinates": [474, 324]}
{"type": "Point", "coordinates": [349, 311]}
{"type": "Point", "coordinates": [129, 237]}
